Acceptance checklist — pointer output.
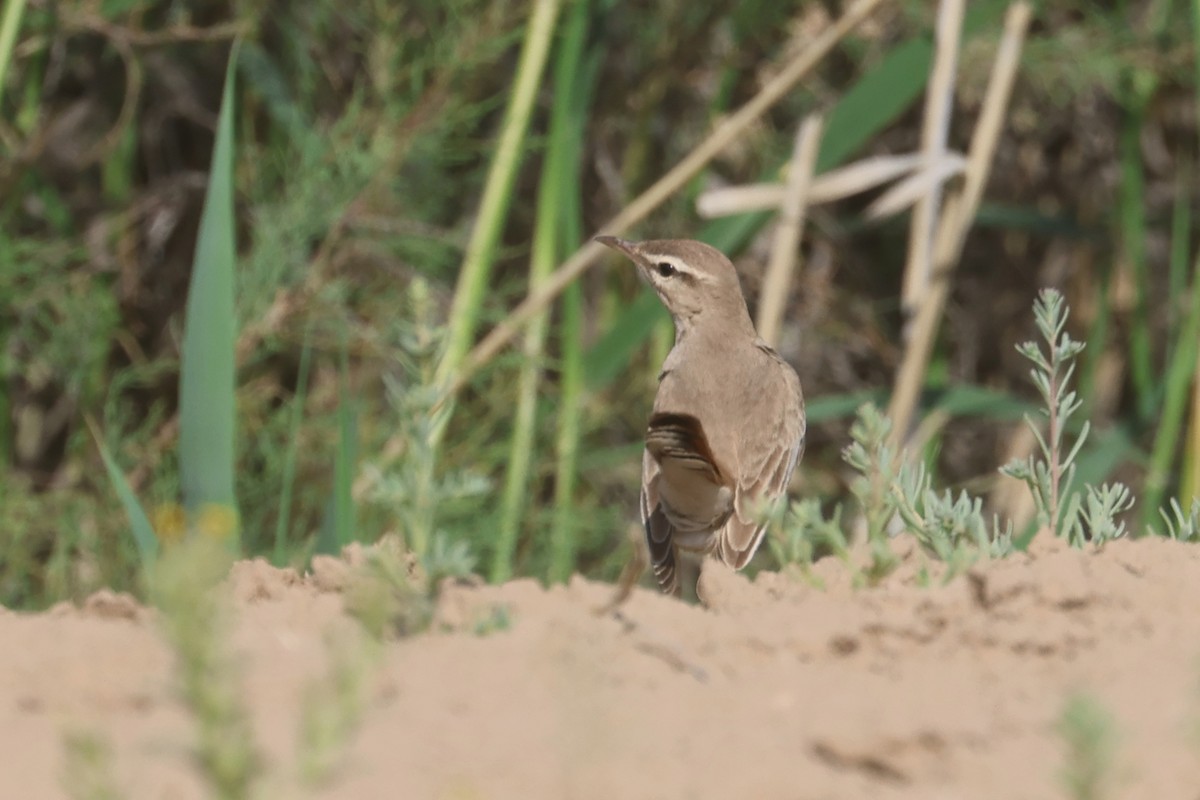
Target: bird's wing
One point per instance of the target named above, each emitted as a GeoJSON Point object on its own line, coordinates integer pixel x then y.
{"type": "Point", "coordinates": [658, 528]}
{"type": "Point", "coordinates": [763, 480]}
{"type": "Point", "coordinates": [677, 450]}
{"type": "Point", "coordinates": [680, 438]}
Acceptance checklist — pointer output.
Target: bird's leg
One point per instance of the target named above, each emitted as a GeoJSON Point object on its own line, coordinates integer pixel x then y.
{"type": "Point", "coordinates": [688, 568]}
{"type": "Point", "coordinates": [634, 568]}
{"type": "Point", "coordinates": [701, 588]}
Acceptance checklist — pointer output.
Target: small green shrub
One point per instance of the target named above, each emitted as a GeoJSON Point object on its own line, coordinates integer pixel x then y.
{"type": "Point", "coordinates": [896, 494]}
{"type": "Point", "coordinates": [1050, 474]}
{"type": "Point", "coordinates": [1089, 734]}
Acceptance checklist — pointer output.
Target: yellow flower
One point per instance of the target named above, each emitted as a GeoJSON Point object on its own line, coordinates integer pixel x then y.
{"type": "Point", "coordinates": [216, 521]}
{"type": "Point", "coordinates": [170, 522]}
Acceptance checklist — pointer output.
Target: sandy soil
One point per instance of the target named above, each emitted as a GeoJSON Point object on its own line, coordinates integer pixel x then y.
{"type": "Point", "coordinates": [779, 691]}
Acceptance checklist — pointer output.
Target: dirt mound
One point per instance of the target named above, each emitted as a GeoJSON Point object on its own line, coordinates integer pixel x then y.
{"type": "Point", "coordinates": [781, 691]}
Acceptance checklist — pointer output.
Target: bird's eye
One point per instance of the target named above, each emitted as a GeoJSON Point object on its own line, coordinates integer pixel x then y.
{"type": "Point", "coordinates": [664, 269]}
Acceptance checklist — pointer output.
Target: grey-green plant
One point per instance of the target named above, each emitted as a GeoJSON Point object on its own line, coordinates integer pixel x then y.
{"type": "Point", "coordinates": [949, 526]}
{"type": "Point", "coordinates": [332, 706]}
{"type": "Point", "coordinates": [1178, 525]}
{"type": "Point", "coordinates": [410, 487]}
{"type": "Point", "coordinates": [184, 585]}
{"type": "Point", "coordinates": [875, 462]}
{"type": "Point", "coordinates": [394, 592]}
{"type": "Point", "coordinates": [495, 619]}
{"type": "Point", "coordinates": [1050, 472]}
{"type": "Point", "coordinates": [799, 529]}
{"type": "Point", "coordinates": [389, 593]}
{"type": "Point", "coordinates": [1088, 732]}
{"type": "Point", "coordinates": [896, 494]}
{"type": "Point", "coordinates": [953, 529]}
{"type": "Point", "coordinates": [448, 558]}
{"type": "Point", "coordinates": [1101, 510]}
{"type": "Point", "coordinates": [88, 770]}
{"type": "Point", "coordinates": [792, 544]}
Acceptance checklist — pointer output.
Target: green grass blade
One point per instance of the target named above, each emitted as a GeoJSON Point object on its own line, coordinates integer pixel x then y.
{"type": "Point", "coordinates": [9, 25]}
{"type": "Point", "coordinates": [572, 386]}
{"type": "Point", "coordinates": [1189, 484]}
{"type": "Point", "coordinates": [980, 401]}
{"type": "Point", "coordinates": [840, 406]}
{"type": "Point", "coordinates": [555, 171]}
{"type": "Point", "coordinates": [1030, 219]}
{"type": "Point", "coordinates": [206, 385]}
{"type": "Point", "coordinates": [139, 524]}
{"type": "Point", "coordinates": [564, 532]}
{"type": "Point", "coordinates": [1181, 372]}
{"type": "Point", "coordinates": [521, 447]}
{"type": "Point", "coordinates": [957, 401]}
{"type": "Point", "coordinates": [1177, 260]}
{"type": "Point", "coordinates": [338, 527]}
{"type": "Point", "coordinates": [283, 519]}
{"type": "Point", "coordinates": [1189, 479]}
{"type": "Point", "coordinates": [497, 193]}
{"type": "Point", "coordinates": [1133, 249]}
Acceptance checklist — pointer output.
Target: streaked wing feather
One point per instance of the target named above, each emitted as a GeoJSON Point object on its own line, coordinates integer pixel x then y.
{"type": "Point", "coordinates": [658, 528]}
{"type": "Point", "coordinates": [766, 483]}
{"type": "Point", "coordinates": [681, 438]}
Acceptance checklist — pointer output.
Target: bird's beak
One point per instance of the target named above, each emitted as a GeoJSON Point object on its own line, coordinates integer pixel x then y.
{"type": "Point", "coordinates": [620, 245]}
{"type": "Point", "coordinates": [630, 250]}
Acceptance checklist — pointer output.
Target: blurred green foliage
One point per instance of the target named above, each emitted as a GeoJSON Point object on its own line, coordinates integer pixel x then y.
{"type": "Point", "coordinates": [364, 133]}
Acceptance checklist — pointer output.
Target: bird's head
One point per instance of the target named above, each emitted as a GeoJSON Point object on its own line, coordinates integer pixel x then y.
{"type": "Point", "coordinates": [694, 280]}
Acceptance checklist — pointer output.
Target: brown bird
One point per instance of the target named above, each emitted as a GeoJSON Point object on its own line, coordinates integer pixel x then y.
{"type": "Point", "coordinates": [728, 423]}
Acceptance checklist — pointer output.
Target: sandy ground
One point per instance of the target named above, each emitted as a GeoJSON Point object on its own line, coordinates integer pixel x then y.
{"type": "Point", "coordinates": [779, 691]}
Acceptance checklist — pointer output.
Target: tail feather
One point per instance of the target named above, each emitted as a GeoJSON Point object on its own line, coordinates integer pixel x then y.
{"type": "Point", "coordinates": [662, 550]}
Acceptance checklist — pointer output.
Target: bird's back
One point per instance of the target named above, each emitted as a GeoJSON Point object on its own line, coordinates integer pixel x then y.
{"type": "Point", "coordinates": [747, 394]}
{"type": "Point", "coordinates": [724, 438]}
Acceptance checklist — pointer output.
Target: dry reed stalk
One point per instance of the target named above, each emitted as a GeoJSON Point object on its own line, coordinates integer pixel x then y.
{"type": "Point", "coordinates": [913, 182]}
{"type": "Point", "coordinates": [956, 218]}
{"type": "Point", "coordinates": [834, 185]}
{"type": "Point", "coordinates": [653, 197]}
{"type": "Point", "coordinates": [939, 102]}
{"type": "Point", "coordinates": [785, 253]}
{"type": "Point", "coordinates": [916, 187]}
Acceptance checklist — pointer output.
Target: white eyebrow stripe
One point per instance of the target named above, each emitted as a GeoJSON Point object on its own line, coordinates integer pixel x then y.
{"type": "Point", "coordinates": [677, 263]}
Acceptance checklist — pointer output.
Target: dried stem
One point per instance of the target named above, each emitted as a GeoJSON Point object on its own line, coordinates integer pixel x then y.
{"type": "Point", "coordinates": [785, 254]}
{"type": "Point", "coordinates": [836, 184]}
{"type": "Point", "coordinates": [936, 128]}
{"type": "Point", "coordinates": [956, 218]}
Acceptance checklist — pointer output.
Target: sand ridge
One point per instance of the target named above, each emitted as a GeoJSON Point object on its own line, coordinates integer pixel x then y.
{"type": "Point", "coordinates": [780, 690]}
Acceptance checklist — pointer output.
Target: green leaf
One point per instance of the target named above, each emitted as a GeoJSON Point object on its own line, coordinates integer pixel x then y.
{"type": "Point", "coordinates": [877, 99]}
{"type": "Point", "coordinates": [608, 357]}
{"type": "Point", "coordinates": [206, 384]}
{"type": "Point", "coordinates": [978, 401]}
{"type": "Point", "coordinates": [139, 523]}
